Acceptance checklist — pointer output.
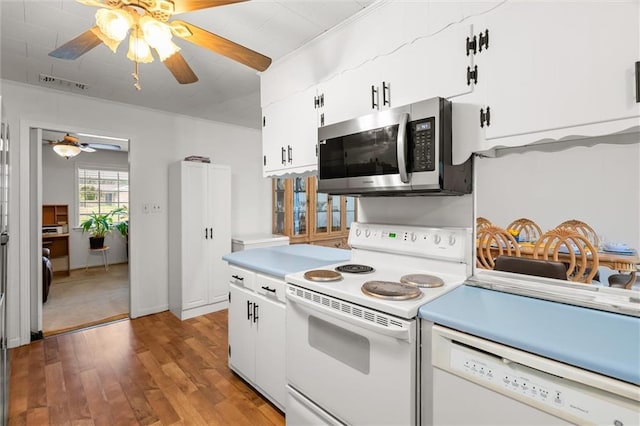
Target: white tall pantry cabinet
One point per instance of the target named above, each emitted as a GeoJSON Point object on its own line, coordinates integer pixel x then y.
{"type": "Point", "coordinates": [199, 235]}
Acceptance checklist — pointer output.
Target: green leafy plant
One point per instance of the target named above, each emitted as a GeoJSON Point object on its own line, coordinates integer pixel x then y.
{"type": "Point", "coordinates": [99, 225]}
{"type": "Point", "coordinates": [123, 227]}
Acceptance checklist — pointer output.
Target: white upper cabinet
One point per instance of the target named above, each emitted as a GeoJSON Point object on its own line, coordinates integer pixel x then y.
{"type": "Point", "coordinates": [289, 133]}
{"type": "Point", "coordinates": [558, 70]}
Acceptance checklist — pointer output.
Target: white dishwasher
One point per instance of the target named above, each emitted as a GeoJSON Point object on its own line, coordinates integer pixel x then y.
{"type": "Point", "coordinates": [480, 382]}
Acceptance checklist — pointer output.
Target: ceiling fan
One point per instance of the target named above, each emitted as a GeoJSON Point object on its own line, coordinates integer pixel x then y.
{"type": "Point", "coordinates": [70, 146]}
{"type": "Point", "coordinates": [148, 26]}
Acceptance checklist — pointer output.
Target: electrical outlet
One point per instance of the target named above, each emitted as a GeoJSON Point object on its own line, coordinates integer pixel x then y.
{"type": "Point", "coordinates": [146, 208]}
{"type": "Point", "coordinates": [155, 208]}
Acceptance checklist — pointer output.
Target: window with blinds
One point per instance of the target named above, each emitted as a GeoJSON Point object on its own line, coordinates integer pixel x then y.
{"type": "Point", "coordinates": [101, 190]}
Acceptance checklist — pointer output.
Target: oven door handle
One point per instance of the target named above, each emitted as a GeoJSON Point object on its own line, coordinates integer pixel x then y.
{"type": "Point", "coordinates": [335, 317]}
{"type": "Point", "coordinates": [401, 145]}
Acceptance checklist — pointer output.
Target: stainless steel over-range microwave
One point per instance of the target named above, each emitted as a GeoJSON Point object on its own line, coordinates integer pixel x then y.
{"type": "Point", "coordinates": [401, 151]}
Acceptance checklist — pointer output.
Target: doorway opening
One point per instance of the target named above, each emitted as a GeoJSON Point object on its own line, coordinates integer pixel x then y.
{"type": "Point", "coordinates": [81, 287]}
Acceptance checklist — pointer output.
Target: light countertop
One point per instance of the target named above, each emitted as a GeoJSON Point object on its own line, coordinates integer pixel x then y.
{"type": "Point", "coordinates": [599, 341]}
{"type": "Point", "coordinates": [279, 261]}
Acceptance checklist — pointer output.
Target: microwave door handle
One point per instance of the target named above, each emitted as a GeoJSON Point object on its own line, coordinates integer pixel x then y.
{"type": "Point", "coordinates": [401, 144]}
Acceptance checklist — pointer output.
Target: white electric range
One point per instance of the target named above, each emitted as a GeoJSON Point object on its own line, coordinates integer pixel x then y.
{"type": "Point", "coordinates": [353, 338]}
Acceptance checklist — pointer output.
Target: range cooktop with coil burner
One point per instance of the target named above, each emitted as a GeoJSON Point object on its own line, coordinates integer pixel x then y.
{"type": "Point", "coordinates": [425, 261]}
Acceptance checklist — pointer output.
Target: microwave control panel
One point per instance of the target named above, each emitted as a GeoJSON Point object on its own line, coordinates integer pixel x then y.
{"type": "Point", "coordinates": [423, 147]}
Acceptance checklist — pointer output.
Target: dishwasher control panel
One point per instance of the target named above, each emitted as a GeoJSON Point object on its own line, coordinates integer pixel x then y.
{"type": "Point", "coordinates": [545, 391]}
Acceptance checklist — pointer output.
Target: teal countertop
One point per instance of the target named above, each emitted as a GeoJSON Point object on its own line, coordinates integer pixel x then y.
{"type": "Point", "coordinates": [279, 261]}
{"type": "Point", "coordinates": [602, 342]}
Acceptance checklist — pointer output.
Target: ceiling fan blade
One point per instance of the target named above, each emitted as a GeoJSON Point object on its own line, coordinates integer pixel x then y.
{"type": "Point", "coordinates": [104, 146]}
{"type": "Point", "coordinates": [86, 148]}
{"type": "Point", "coordinates": [222, 46]}
{"type": "Point", "coordinates": [96, 3]}
{"type": "Point", "coordinates": [78, 46]}
{"type": "Point", "coordinates": [182, 6]}
{"type": "Point", "coordinates": [180, 69]}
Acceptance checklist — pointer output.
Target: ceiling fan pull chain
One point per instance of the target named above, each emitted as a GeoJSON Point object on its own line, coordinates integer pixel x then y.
{"type": "Point", "coordinates": [136, 78]}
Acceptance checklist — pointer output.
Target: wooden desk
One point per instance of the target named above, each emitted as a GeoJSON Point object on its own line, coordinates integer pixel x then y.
{"type": "Point", "coordinates": [59, 246]}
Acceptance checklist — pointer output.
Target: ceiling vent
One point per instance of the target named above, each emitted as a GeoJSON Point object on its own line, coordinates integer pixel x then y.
{"type": "Point", "coordinates": [61, 83]}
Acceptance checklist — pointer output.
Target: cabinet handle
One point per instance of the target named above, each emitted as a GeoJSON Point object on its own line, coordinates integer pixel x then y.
{"type": "Point", "coordinates": [284, 161]}
{"type": "Point", "coordinates": [483, 40]}
{"type": "Point", "coordinates": [290, 153]}
{"type": "Point", "coordinates": [272, 290]}
{"type": "Point", "coordinates": [638, 82]}
{"type": "Point", "coordinates": [249, 310]}
{"type": "Point", "coordinates": [206, 234]}
{"type": "Point", "coordinates": [255, 312]}
{"type": "Point", "coordinates": [386, 93]}
{"type": "Point", "coordinates": [237, 277]}
{"type": "Point", "coordinates": [211, 233]}
{"type": "Point", "coordinates": [374, 94]}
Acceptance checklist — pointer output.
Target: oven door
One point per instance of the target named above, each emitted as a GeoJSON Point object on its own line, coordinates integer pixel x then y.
{"type": "Point", "coordinates": [356, 364]}
{"type": "Point", "coordinates": [368, 154]}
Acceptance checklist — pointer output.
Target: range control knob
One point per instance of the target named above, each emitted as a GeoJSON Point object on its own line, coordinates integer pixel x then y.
{"type": "Point", "coordinates": [437, 238]}
{"type": "Point", "coordinates": [358, 232]}
{"type": "Point", "coordinates": [452, 239]}
{"type": "Point", "coordinates": [413, 236]}
{"type": "Point", "coordinates": [367, 232]}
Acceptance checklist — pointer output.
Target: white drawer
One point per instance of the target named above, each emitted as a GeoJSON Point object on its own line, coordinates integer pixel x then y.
{"type": "Point", "coordinates": [242, 277]}
{"type": "Point", "coordinates": [270, 287]}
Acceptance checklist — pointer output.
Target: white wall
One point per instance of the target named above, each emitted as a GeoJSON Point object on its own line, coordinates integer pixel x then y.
{"type": "Point", "coordinates": [59, 187]}
{"type": "Point", "coordinates": [598, 185]}
{"type": "Point", "coordinates": [157, 139]}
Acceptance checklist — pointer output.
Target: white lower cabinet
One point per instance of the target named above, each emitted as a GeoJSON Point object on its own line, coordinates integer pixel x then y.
{"type": "Point", "coordinates": [257, 334]}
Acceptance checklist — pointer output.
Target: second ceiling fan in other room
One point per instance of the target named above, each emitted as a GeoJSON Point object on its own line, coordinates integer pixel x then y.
{"type": "Point", "coordinates": [70, 146]}
{"type": "Point", "coordinates": [147, 24]}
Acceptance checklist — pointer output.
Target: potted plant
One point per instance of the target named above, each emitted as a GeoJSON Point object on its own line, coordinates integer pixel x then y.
{"type": "Point", "coordinates": [99, 225]}
{"type": "Point", "coordinates": [123, 227]}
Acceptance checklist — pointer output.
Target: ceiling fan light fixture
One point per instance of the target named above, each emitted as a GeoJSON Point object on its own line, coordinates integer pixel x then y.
{"type": "Point", "coordinates": [139, 50]}
{"type": "Point", "coordinates": [114, 23]}
{"type": "Point", "coordinates": [66, 150]}
{"type": "Point", "coordinates": [110, 43]}
{"type": "Point", "coordinates": [167, 49]}
{"type": "Point", "coordinates": [155, 32]}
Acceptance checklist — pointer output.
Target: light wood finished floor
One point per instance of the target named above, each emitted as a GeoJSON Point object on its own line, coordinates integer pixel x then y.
{"type": "Point", "coordinates": [154, 370]}
{"type": "Point", "coordinates": [86, 298]}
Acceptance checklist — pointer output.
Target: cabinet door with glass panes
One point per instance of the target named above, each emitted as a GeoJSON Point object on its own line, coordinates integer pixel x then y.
{"type": "Point", "coordinates": [290, 208]}
{"type": "Point", "coordinates": [310, 217]}
{"type": "Point", "coordinates": [332, 219]}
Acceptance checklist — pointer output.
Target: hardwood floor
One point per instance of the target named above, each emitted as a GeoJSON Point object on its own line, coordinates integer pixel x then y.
{"type": "Point", "coordinates": [154, 370]}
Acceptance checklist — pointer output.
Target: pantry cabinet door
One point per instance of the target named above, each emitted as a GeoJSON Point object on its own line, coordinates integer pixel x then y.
{"type": "Point", "coordinates": [219, 195]}
{"type": "Point", "coordinates": [196, 265]}
{"type": "Point", "coordinates": [555, 65]}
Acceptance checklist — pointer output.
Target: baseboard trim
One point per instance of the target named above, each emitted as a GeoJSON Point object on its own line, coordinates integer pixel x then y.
{"type": "Point", "coordinates": [103, 321]}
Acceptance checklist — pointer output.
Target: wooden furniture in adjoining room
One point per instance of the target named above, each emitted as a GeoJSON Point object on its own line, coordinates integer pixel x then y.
{"type": "Point", "coordinates": [307, 216]}
{"type": "Point", "coordinates": [58, 244]}
{"type": "Point", "coordinates": [492, 242]}
{"type": "Point", "coordinates": [573, 249]}
{"type": "Point", "coordinates": [57, 216]}
{"type": "Point", "coordinates": [527, 228]}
